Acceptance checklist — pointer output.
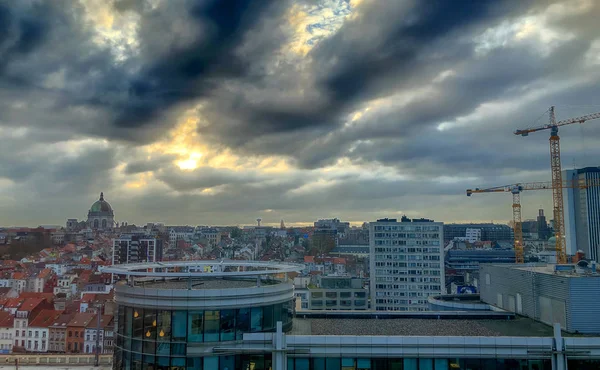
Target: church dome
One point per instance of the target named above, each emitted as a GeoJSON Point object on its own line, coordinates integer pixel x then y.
{"type": "Point", "coordinates": [101, 206]}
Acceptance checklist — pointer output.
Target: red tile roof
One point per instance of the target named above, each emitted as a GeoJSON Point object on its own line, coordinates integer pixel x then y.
{"type": "Point", "coordinates": [63, 320]}
{"type": "Point", "coordinates": [19, 276]}
{"type": "Point", "coordinates": [14, 303]}
{"type": "Point", "coordinates": [45, 318]}
{"type": "Point", "coordinates": [81, 319]}
{"type": "Point", "coordinates": [47, 296]}
{"type": "Point", "coordinates": [31, 303]}
{"type": "Point", "coordinates": [105, 321]}
{"type": "Point", "coordinates": [309, 259]}
{"type": "Point", "coordinates": [6, 319]}
{"type": "Point", "coordinates": [45, 273]}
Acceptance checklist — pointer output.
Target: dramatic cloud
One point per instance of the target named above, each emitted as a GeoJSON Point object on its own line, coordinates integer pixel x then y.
{"type": "Point", "coordinates": [221, 111]}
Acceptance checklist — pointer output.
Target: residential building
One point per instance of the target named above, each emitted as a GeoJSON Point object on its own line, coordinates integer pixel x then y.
{"type": "Point", "coordinates": [406, 264]}
{"type": "Point", "coordinates": [176, 233]}
{"type": "Point", "coordinates": [338, 293]}
{"type": "Point", "coordinates": [38, 331]}
{"type": "Point", "coordinates": [65, 285]}
{"type": "Point", "coordinates": [211, 234]}
{"type": "Point", "coordinates": [491, 232]}
{"type": "Point", "coordinates": [582, 213]}
{"type": "Point", "coordinates": [564, 294]}
{"type": "Point", "coordinates": [18, 282]}
{"type": "Point", "coordinates": [25, 314]}
{"type": "Point", "coordinates": [37, 282]}
{"type": "Point", "coordinates": [76, 332]}
{"type": "Point", "coordinates": [91, 330]}
{"type": "Point", "coordinates": [6, 332]}
{"type": "Point", "coordinates": [58, 333]}
{"type": "Point", "coordinates": [136, 248]}
{"type": "Point", "coordinates": [473, 235]}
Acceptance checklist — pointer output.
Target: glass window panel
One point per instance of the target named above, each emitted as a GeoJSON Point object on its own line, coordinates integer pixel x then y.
{"type": "Point", "coordinates": [138, 323]}
{"type": "Point", "coordinates": [149, 347]}
{"type": "Point", "coordinates": [149, 324]}
{"type": "Point", "coordinates": [227, 325]}
{"type": "Point", "coordinates": [277, 313]}
{"type": "Point", "coordinates": [136, 361]}
{"type": "Point", "coordinates": [211, 363]}
{"type": "Point", "coordinates": [149, 362]}
{"type": "Point", "coordinates": [302, 364]}
{"type": "Point", "coordinates": [195, 326]}
{"type": "Point", "coordinates": [242, 322]}
{"type": "Point", "coordinates": [163, 349]}
{"type": "Point", "coordinates": [177, 362]}
{"type": "Point", "coordinates": [268, 324]}
{"type": "Point", "coordinates": [441, 363]}
{"type": "Point", "coordinates": [290, 363]}
{"type": "Point", "coordinates": [179, 323]}
{"type": "Point", "coordinates": [162, 363]}
{"type": "Point", "coordinates": [121, 320]}
{"type": "Point", "coordinates": [318, 363]}
{"type": "Point", "coordinates": [363, 363]}
{"type": "Point", "coordinates": [410, 364]}
{"type": "Point", "coordinates": [211, 326]}
{"type": "Point", "coordinates": [227, 363]}
{"type": "Point", "coordinates": [178, 349]}
{"type": "Point", "coordinates": [126, 360]}
{"type": "Point", "coordinates": [425, 364]}
{"type": "Point", "coordinates": [194, 363]}
{"type": "Point", "coordinates": [333, 363]}
{"type": "Point", "coordinates": [136, 346]}
{"type": "Point", "coordinates": [164, 326]}
{"type": "Point", "coordinates": [347, 362]}
{"type": "Point", "coordinates": [256, 320]}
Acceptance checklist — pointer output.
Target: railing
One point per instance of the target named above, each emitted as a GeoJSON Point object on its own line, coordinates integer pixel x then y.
{"type": "Point", "coordinates": [54, 359]}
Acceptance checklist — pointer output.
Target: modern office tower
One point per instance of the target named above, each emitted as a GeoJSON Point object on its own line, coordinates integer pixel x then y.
{"type": "Point", "coordinates": [406, 263]}
{"type": "Point", "coordinates": [582, 213]}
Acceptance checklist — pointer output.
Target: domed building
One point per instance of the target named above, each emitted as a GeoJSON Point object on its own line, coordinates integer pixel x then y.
{"type": "Point", "coordinates": [101, 216]}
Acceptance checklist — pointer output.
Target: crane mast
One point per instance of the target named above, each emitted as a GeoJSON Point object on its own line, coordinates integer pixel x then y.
{"type": "Point", "coordinates": [556, 169]}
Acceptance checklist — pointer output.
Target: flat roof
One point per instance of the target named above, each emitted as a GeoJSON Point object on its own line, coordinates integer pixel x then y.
{"type": "Point", "coordinates": [204, 284]}
{"type": "Point", "coordinates": [518, 327]}
{"type": "Point", "coordinates": [568, 270]}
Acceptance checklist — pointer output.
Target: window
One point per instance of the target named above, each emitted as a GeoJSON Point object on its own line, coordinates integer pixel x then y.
{"type": "Point", "coordinates": [29, 333]}
{"type": "Point", "coordinates": [195, 326]}
{"type": "Point", "coordinates": [43, 334]}
{"type": "Point", "coordinates": [76, 334]}
{"type": "Point", "coordinates": [17, 333]}
{"type": "Point", "coordinates": [256, 319]}
{"type": "Point", "coordinates": [211, 326]}
{"type": "Point", "coordinates": [242, 322]}
{"type": "Point", "coordinates": [227, 325]}
{"type": "Point", "coordinates": [43, 345]}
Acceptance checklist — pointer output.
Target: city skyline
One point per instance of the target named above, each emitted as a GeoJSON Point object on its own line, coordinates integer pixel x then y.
{"type": "Point", "coordinates": [190, 113]}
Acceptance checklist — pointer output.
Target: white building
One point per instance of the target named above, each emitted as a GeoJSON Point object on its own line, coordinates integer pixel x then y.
{"type": "Point", "coordinates": [582, 213]}
{"type": "Point", "coordinates": [38, 331]}
{"type": "Point", "coordinates": [180, 233]}
{"type": "Point", "coordinates": [6, 332]}
{"type": "Point", "coordinates": [406, 264]}
{"type": "Point", "coordinates": [473, 235]}
{"type": "Point", "coordinates": [65, 286]}
{"type": "Point", "coordinates": [89, 345]}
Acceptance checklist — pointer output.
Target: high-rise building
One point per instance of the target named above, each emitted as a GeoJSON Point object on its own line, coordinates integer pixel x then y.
{"type": "Point", "coordinates": [406, 263]}
{"type": "Point", "coordinates": [582, 213]}
{"type": "Point", "coordinates": [542, 226]}
{"type": "Point", "coordinates": [136, 248]}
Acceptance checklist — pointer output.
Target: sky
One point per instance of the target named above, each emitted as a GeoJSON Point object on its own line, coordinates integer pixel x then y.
{"type": "Point", "coordinates": [223, 111]}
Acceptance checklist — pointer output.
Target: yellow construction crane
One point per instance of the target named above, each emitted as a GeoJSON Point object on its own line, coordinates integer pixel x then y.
{"type": "Point", "coordinates": [516, 190]}
{"type": "Point", "coordinates": [557, 194]}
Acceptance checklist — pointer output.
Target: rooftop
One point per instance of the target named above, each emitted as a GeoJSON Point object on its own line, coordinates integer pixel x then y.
{"type": "Point", "coordinates": [44, 319]}
{"type": "Point", "coordinates": [421, 327]}
{"type": "Point", "coordinates": [569, 271]}
{"type": "Point", "coordinates": [205, 284]}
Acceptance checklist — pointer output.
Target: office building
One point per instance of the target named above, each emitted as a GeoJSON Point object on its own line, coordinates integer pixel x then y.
{"type": "Point", "coordinates": [136, 248]}
{"type": "Point", "coordinates": [489, 232]}
{"type": "Point", "coordinates": [582, 213]}
{"type": "Point", "coordinates": [564, 294]}
{"type": "Point", "coordinates": [243, 318]}
{"type": "Point", "coordinates": [338, 293]}
{"type": "Point", "coordinates": [406, 264]}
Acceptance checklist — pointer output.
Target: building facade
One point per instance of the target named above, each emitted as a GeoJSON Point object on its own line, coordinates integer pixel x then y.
{"type": "Point", "coordinates": [338, 293]}
{"type": "Point", "coordinates": [76, 332]}
{"type": "Point", "coordinates": [568, 296]}
{"type": "Point", "coordinates": [406, 264]}
{"type": "Point", "coordinates": [186, 323]}
{"type": "Point", "coordinates": [248, 325]}
{"type": "Point", "coordinates": [57, 333]}
{"type": "Point", "coordinates": [582, 213]}
{"type": "Point", "coordinates": [490, 232]}
{"type": "Point", "coordinates": [136, 248]}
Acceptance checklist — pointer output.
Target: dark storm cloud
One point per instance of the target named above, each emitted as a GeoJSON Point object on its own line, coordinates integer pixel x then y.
{"type": "Point", "coordinates": [145, 165]}
{"type": "Point", "coordinates": [204, 178]}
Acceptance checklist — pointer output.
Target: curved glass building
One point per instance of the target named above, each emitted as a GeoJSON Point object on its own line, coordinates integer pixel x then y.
{"type": "Point", "coordinates": [178, 315]}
